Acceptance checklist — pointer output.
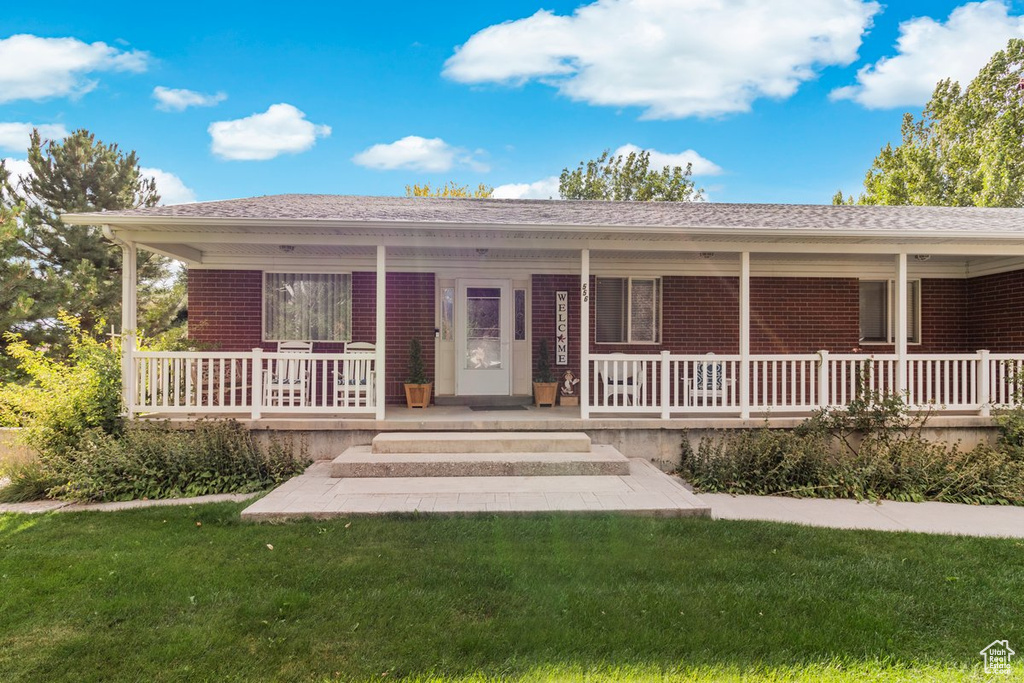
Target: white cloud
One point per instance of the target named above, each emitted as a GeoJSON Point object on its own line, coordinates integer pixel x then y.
{"type": "Point", "coordinates": [660, 160]}
{"type": "Point", "coordinates": [545, 188]}
{"type": "Point", "coordinates": [34, 68]}
{"type": "Point", "coordinates": [674, 59]}
{"type": "Point", "coordinates": [929, 51]}
{"type": "Point", "coordinates": [179, 99]}
{"type": "Point", "coordinates": [419, 154]}
{"type": "Point", "coordinates": [172, 190]}
{"type": "Point", "coordinates": [281, 129]}
{"type": "Point", "coordinates": [17, 168]}
{"type": "Point", "coordinates": [15, 136]}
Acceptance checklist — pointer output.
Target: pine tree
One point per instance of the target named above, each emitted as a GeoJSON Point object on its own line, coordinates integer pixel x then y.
{"type": "Point", "coordinates": [73, 268]}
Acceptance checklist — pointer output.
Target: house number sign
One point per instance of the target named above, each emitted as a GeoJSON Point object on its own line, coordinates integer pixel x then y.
{"type": "Point", "coordinates": [561, 328]}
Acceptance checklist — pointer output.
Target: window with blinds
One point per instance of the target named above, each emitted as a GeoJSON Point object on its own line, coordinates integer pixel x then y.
{"type": "Point", "coordinates": [878, 311]}
{"type": "Point", "coordinates": [307, 307]}
{"type": "Point", "coordinates": [628, 310]}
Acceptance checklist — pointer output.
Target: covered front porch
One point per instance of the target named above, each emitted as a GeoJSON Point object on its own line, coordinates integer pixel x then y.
{"type": "Point", "coordinates": [662, 313]}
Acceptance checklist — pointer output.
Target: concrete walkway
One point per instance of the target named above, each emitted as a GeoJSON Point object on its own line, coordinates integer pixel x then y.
{"type": "Point", "coordinates": [38, 506]}
{"type": "Point", "coordinates": [932, 518]}
{"type": "Point", "coordinates": [935, 518]}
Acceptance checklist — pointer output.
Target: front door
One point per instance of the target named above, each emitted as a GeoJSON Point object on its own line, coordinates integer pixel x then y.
{"type": "Point", "coordinates": [483, 320]}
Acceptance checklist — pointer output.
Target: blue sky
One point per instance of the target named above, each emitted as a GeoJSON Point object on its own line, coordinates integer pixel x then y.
{"type": "Point", "coordinates": [773, 100]}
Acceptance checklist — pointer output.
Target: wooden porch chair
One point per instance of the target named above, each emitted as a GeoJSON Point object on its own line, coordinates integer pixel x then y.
{"type": "Point", "coordinates": [354, 386]}
{"type": "Point", "coordinates": [709, 385]}
{"type": "Point", "coordinates": [285, 381]}
{"type": "Point", "coordinates": [625, 384]}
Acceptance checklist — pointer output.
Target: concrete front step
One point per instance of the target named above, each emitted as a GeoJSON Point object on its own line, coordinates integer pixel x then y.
{"type": "Point", "coordinates": [361, 461]}
{"type": "Point", "coordinates": [481, 442]}
{"type": "Point", "coordinates": [645, 491]}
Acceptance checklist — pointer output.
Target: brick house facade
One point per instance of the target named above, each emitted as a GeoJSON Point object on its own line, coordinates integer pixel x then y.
{"type": "Point", "coordinates": [700, 315]}
{"type": "Point", "coordinates": [908, 292]}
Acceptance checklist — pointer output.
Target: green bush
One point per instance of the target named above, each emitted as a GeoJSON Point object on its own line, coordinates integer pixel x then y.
{"type": "Point", "coordinates": [28, 481]}
{"type": "Point", "coordinates": [70, 414]}
{"type": "Point", "coordinates": [156, 460]}
{"type": "Point", "coordinates": [872, 450]}
{"type": "Point", "coordinates": [64, 397]}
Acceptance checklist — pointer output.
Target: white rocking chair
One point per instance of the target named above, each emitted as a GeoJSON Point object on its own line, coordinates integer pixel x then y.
{"type": "Point", "coordinates": [285, 380]}
{"type": "Point", "coordinates": [355, 380]}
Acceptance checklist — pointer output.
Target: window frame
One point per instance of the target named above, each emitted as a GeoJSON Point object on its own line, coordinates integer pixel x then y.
{"type": "Point", "coordinates": [265, 337]}
{"type": "Point", "coordinates": [656, 309]}
{"type": "Point", "coordinates": [915, 286]}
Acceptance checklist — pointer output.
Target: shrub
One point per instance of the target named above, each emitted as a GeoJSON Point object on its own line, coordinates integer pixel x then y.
{"type": "Point", "coordinates": [874, 449]}
{"type": "Point", "coordinates": [63, 397]}
{"type": "Point", "coordinates": [158, 461]}
{"type": "Point", "coordinates": [28, 481]}
{"type": "Point", "coordinates": [70, 413]}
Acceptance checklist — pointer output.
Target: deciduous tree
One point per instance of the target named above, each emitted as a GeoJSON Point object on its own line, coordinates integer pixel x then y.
{"type": "Point", "coordinates": [967, 149]}
{"type": "Point", "coordinates": [628, 178]}
{"type": "Point", "coordinates": [450, 190]}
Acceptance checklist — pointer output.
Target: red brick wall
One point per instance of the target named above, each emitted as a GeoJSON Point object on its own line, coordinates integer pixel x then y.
{"type": "Point", "coordinates": [542, 326]}
{"type": "Point", "coordinates": [804, 314]}
{"type": "Point", "coordinates": [995, 316]}
{"type": "Point", "coordinates": [944, 326]}
{"type": "Point", "coordinates": [410, 314]}
{"type": "Point", "coordinates": [788, 315]}
{"type": "Point", "coordinates": [226, 309]}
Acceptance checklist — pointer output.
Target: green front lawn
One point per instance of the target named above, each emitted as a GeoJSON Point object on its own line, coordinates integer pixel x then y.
{"type": "Point", "coordinates": [193, 594]}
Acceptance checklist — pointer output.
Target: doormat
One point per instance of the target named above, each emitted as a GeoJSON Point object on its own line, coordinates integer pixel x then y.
{"type": "Point", "coordinates": [481, 409]}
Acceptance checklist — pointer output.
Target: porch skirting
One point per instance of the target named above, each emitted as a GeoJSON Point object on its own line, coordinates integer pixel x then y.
{"type": "Point", "coordinates": [658, 441]}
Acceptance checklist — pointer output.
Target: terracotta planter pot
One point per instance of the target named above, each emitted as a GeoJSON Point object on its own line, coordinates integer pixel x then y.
{"type": "Point", "coordinates": [418, 395]}
{"type": "Point", "coordinates": [545, 393]}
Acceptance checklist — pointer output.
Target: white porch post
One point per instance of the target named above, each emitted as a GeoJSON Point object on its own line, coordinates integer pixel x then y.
{"type": "Point", "coordinates": [901, 323]}
{"type": "Point", "coordinates": [380, 384]}
{"type": "Point", "coordinates": [745, 335]}
{"type": "Point", "coordinates": [585, 333]}
{"type": "Point", "coordinates": [129, 322]}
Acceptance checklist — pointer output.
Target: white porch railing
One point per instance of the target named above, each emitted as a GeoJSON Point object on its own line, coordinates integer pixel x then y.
{"type": "Point", "coordinates": [668, 384]}
{"type": "Point", "coordinates": [256, 382]}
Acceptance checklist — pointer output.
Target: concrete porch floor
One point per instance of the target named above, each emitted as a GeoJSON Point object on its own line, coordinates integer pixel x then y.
{"type": "Point", "coordinates": [646, 490]}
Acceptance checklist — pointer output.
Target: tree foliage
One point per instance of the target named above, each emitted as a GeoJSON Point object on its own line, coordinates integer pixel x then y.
{"type": "Point", "coordinates": [73, 268]}
{"type": "Point", "coordinates": [15, 271]}
{"type": "Point", "coordinates": [628, 178]}
{"type": "Point", "coordinates": [967, 149]}
{"type": "Point", "coordinates": [449, 190]}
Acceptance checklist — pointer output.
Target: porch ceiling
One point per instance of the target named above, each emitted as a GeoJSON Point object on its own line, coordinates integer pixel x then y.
{"type": "Point", "coordinates": [668, 260]}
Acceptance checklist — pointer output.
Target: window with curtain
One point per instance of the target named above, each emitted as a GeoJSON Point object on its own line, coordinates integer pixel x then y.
{"type": "Point", "coordinates": [628, 310]}
{"type": "Point", "coordinates": [878, 311]}
{"type": "Point", "coordinates": [307, 307]}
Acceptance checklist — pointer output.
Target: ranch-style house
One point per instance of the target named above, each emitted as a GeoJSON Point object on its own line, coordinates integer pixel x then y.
{"type": "Point", "coordinates": [307, 305]}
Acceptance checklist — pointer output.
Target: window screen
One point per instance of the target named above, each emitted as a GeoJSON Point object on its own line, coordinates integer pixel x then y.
{"type": "Point", "coordinates": [307, 307]}
{"type": "Point", "coordinates": [878, 311]}
{"type": "Point", "coordinates": [628, 310]}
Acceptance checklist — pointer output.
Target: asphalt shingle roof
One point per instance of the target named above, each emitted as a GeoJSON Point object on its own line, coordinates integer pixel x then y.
{"type": "Point", "coordinates": [512, 212]}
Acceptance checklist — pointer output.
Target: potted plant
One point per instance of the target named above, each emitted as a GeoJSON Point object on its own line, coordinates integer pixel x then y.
{"type": "Point", "coordinates": [418, 388]}
{"type": "Point", "coordinates": [545, 388]}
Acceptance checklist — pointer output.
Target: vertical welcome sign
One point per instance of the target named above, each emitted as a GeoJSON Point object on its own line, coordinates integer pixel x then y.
{"type": "Point", "coordinates": [561, 328]}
